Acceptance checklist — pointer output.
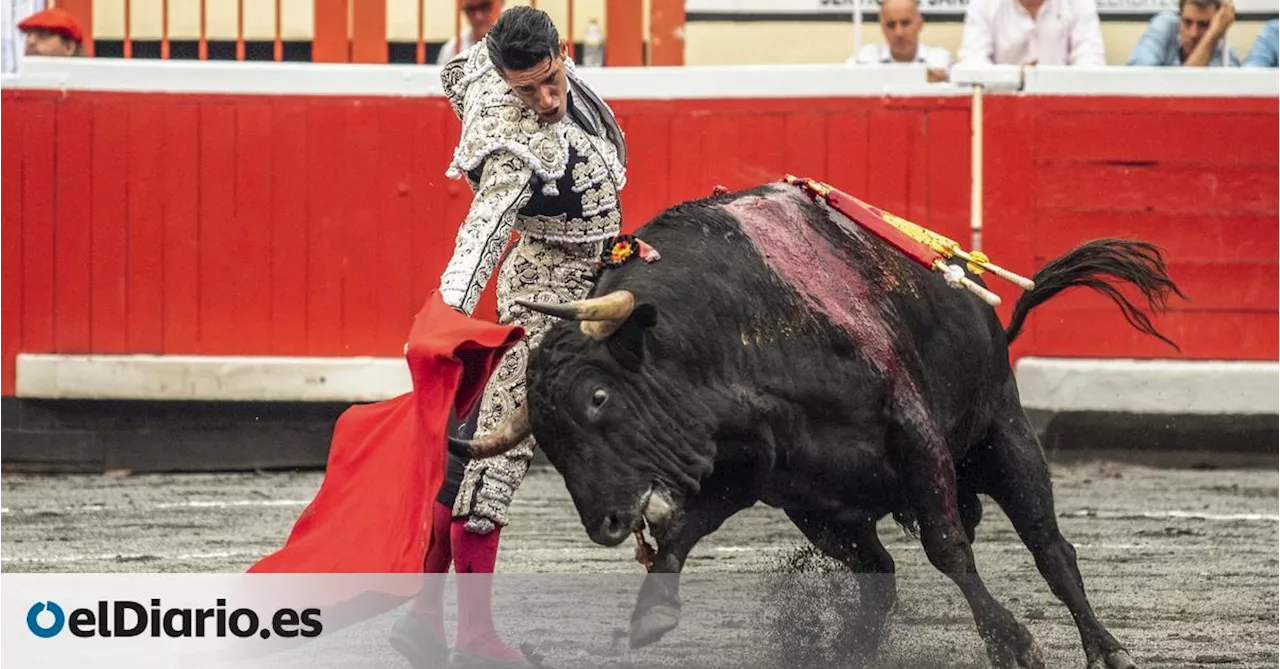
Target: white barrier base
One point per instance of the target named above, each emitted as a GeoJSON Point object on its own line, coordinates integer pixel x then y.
{"type": "Point", "coordinates": [210, 378]}
{"type": "Point", "coordinates": [1052, 384]}
{"type": "Point", "coordinates": [1149, 386]}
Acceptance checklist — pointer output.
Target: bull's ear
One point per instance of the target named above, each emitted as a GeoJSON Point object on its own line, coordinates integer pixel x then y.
{"type": "Point", "coordinates": [627, 344]}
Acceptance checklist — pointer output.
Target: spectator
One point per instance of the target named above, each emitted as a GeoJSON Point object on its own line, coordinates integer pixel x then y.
{"type": "Point", "coordinates": [481, 15]}
{"type": "Point", "coordinates": [12, 41]}
{"type": "Point", "coordinates": [1190, 38]}
{"type": "Point", "coordinates": [1031, 32]}
{"type": "Point", "coordinates": [901, 22]}
{"type": "Point", "coordinates": [1264, 51]}
{"type": "Point", "coordinates": [53, 32]}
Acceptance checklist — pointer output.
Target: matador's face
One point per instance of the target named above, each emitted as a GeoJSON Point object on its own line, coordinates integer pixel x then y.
{"type": "Point", "coordinates": [544, 88]}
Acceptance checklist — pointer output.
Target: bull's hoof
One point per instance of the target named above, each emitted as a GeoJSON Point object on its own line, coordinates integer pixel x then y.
{"type": "Point", "coordinates": [1016, 651]}
{"type": "Point", "coordinates": [653, 624]}
{"type": "Point", "coordinates": [1116, 659]}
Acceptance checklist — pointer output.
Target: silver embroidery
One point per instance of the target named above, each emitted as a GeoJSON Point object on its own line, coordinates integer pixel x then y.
{"type": "Point", "coordinates": [536, 271]}
{"type": "Point", "coordinates": [494, 120]}
{"type": "Point", "coordinates": [562, 229]}
{"type": "Point", "coordinates": [503, 190]}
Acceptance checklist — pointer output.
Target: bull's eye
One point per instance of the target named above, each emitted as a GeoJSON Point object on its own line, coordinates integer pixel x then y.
{"type": "Point", "coordinates": [598, 397]}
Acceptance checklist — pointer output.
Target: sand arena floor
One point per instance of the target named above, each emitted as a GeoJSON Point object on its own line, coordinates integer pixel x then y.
{"type": "Point", "coordinates": [1181, 565]}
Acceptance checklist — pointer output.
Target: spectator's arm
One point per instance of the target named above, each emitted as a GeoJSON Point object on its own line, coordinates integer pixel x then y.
{"type": "Point", "coordinates": [1154, 43]}
{"type": "Point", "coordinates": [1202, 55]}
{"type": "Point", "coordinates": [504, 188]}
{"type": "Point", "coordinates": [1264, 52]}
{"type": "Point", "coordinates": [977, 43]}
{"type": "Point", "coordinates": [1085, 47]}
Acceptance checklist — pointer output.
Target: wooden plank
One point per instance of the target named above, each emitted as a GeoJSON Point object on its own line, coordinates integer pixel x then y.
{"type": "Point", "coordinates": [889, 151]}
{"type": "Point", "coordinates": [1008, 211]}
{"type": "Point", "coordinates": [73, 234]}
{"type": "Point", "coordinates": [918, 150]}
{"type": "Point", "coordinates": [221, 283]}
{"type": "Point", "coordinates": [948, 169]}
{"type": "Point", "coordinates": [37, 227]}
{"type": "Point", "coordinates": [11, 280]}
{"type": "Point", "coordinates": [688, 177]}
{"type": "Point", "coordinates": [762, 148]}
{"type": "Point", "coordinates": [362, 231]}
{"type": "Point", "coordinates": [649, 150]}
{"type": "Point", "coordinates": [1209, 287]}
{"type": "Point", "coordinates": [1185, 237]}
{"type": "Point", "coordinates": [181, 182]}
{"type": "Point", "coordinates": [1202, 106]}
{"type": "Point", "coordinates": [848, 152]}
{"type": "Point", "coordinates": [326, 156]}
{"type": "Point", "coordinates": [1125, 136]}
{"type": "Point", "coordinates": [395, 306]}
{"type": "Point", "coordinates": [721, 160]}
{"type": "Point", "coordinates": [290, 209]}
{"type": "Point", "coordinates": [1160, 188]}
{"type": "Point", "coordinates": [254, 221]}
{"type": "Point", "coordinates": [804, 147]}
{"type": "Point", "coordinates": [432, 232]}
{"type": "Point", "coordinates": [110, 232]}
{"type": "Point", "coordinates": [145, 269]}
{"type": "Point", "coordinates": [1248, 336]}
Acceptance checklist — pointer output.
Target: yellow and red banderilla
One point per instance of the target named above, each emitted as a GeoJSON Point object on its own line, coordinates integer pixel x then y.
{"type": "Point", "coordinates": [922, 245]}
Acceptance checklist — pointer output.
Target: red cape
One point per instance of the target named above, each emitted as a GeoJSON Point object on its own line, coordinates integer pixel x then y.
{"type": "Point", "coordinates": [387, 460]}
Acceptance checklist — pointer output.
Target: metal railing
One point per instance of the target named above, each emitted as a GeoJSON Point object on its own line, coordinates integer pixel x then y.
{"type": "Point", "coordinates": [356, 31]}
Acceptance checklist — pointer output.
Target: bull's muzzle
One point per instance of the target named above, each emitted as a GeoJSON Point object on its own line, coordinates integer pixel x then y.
{"type": "Point", "coordinates": [505, 438]}
{"type": "Point", "coordinates": [600, 316]}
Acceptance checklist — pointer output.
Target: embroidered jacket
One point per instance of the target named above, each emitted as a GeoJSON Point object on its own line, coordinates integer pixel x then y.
{"type": "Point", "coordinates": [555, 182]}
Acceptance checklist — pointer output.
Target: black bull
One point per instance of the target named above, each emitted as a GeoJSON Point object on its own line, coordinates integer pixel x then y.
{"type": "Point", "coordinates": [778, 354]}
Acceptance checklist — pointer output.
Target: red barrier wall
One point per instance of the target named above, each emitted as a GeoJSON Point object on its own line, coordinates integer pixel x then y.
{"type": "Point", "coordinates": [316, 225]}
{"type": "Point", "coordinates": [1196, 177]}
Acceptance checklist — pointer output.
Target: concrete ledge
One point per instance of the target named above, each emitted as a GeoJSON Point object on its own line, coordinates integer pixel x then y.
{"type": "Point", "coordinates": [1160, 440]}
{"type": "Point", "coordinates": [95, 436]}
{"type": "Point", "coordinates": [1164, 387]}
{"type": "Point", "coordinates": [210, 378]}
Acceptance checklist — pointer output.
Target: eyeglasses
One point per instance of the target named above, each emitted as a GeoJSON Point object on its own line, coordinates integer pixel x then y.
{"type": "Point", "coordinates": [478, 8]}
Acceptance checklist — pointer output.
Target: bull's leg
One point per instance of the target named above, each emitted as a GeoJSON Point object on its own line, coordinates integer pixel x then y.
{"type": "Point", "coordinates": [1016, 476]}
{"type": "Point", "coordinates": [858, 546]}
{"type": "Point", "coordinates": [658, 604]}
{"type": "Point", "coordinates": [931, 480]}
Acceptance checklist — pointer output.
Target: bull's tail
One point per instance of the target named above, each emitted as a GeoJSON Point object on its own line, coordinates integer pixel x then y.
{"type": "Point", "coordinates": [1091, 265]}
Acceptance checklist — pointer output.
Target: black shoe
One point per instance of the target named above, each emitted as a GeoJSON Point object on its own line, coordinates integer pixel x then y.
{"type": "Point", "coordinates": [411, 638]}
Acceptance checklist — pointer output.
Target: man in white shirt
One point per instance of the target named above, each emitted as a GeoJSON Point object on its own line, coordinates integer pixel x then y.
{"type": "Point", "coordinates": [1031, 32]}
{"type": "Point", "coordinates": [481, 15]}
{"type": "Point", "coordinates": [901, 22]}
{"type": "Point", "coordinates": [13, 11]}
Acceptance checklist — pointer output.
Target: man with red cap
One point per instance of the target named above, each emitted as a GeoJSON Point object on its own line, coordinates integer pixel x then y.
{"type": "Point", "coordinates": [53, 32]}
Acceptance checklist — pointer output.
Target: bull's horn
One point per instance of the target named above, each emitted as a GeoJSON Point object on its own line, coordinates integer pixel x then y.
{"type": "Point", "coordinates": [600, 316]}
{"type": "Point", "coordinates": [505, 438]}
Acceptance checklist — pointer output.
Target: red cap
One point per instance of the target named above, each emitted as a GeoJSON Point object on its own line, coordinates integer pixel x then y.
{"type": "Point", "coordinates": [56, 20]}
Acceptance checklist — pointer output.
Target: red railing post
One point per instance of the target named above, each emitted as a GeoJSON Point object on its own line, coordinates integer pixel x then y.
{"type": "Point", "coordinates": [368, 31]}
{"type": "Point", "coordinates": [666, 32]}
{"type": "Point", "coordinates": [331, 41]}
{"type": "Point", "coordinates": [83, 11]}
{"type": "Point", "coordinates": [624, 43]}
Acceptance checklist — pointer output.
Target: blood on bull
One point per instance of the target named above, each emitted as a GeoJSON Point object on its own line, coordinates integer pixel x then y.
{"type": "Point", "coordinates": [778, 354]}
